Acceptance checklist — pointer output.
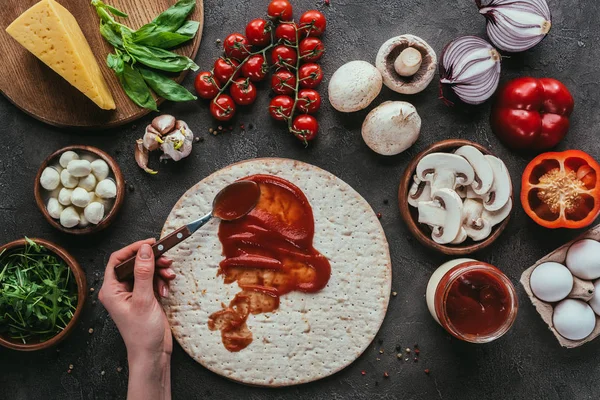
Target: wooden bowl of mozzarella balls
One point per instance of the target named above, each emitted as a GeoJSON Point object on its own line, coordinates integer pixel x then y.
{"type": "Point", "coordinates": [79, 189]}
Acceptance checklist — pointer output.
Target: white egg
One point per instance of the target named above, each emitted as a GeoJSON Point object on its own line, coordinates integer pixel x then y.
{"type": "Point", "coordinates": [595, 301]}
{"type": "Point", "coordinates": [583, 259]}
{"type": "Point", "coordinates": [551, 281]}
{"type": "Point", "coordinates": [574, 319]}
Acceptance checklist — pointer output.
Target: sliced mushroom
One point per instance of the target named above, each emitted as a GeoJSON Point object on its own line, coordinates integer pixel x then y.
{"type": "Point", "coordinates": [462, 236]}
{"type": "Point", "coordinates": [501, 189]}
{"type": "Point", "coordinates": [484, 176]}
{"type": "Point", "coordinates": [354, 86]}
{"type": "Point", "coordinates": [443, 214]}
{"type": "Point", "coordinates": [419, 191]}
{"type": "Point", "coordinates": [495, 217]}
{"type": "Point", "coordinates": [445, 170]}
{"type": "Point", "coordinates": [391, 127]}
{"type": "Point", "coordinates": [476, 227]}
{"type": "Point", "coordinates": [401, 69]}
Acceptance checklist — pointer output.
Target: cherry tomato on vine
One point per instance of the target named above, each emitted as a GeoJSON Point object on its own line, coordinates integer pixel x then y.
{"type": "Point", "coordinates": [282, 56]}
{"type": "Point", "coordinates": [236, 46]}
{"type": "Point", "coordinates": [255, 68]}
{"type": "Point", "coordinates": [222, 108]}
{"type": "Point", "coordinates": [313, 23]}
{"type": "Point", "coordinates": [305, 127]}
{"type": "Point", "coordinates": [280, 107]}
{"type": "Point", "coordinates": [281, 9]}
{"type": "Point", "coordinates": [309, 101]}
{"type": "Point", "coordinates": [207, 86]}
{"type": "Point", "coordinates": [224, 69]}
{"type": "Point", "coordinates": [311, 49]}
{"type": "Point", "coordinates": [283, 82]}
{"type": "Point", "coordinates": [310, 75]}
{"type": "Point", "coordinates": [243, 92]}
{"type": "Point", "coordinates": [258, 32]}
{"type": "Point", "coordinates": [286, 31]}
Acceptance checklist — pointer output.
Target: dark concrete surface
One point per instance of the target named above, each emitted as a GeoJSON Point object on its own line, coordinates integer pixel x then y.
{"type": "Point", "coordinates": [527, 363]}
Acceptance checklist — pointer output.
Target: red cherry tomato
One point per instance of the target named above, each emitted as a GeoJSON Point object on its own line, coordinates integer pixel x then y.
{"type": "Point", "coordinates": [258, 32]}
{"type": "Point", "coordinates": [309, 101]}
{"type": "Point", "coordinates": [236, 46]}
{"type": "Point", "coordinates": [283, 82]}
{"type": "Point", "coordinates": [243, 92]}
{"type": "Point", "coordinates": [280, 9]}
{"type": "Point", "coordinates": [286, 31]}
{"type": "Point", "coordinates": [282, 56]}
{"type": "Point", "coordinates": [222, 108]}
{"type": "Point", "coordinates": [255, 68]}
{"type": "Point", "coordinates": [206, 85]}
{"type": "Point", "coordinates": [280, 107]}
{"type": "Point", "coordinates": [313, 23]}
{"type": "Point", "coordinates": [224, 69]}
{"type": "Point", "coordinates": [311, 49]}
{"type": "Point", "coordinates": [310, 75]}
{"type": "Point", "coordinates": [305, 127]}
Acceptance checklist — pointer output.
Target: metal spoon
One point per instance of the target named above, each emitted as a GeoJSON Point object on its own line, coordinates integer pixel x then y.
{"type": "Point", "coordinates": [231, 203]}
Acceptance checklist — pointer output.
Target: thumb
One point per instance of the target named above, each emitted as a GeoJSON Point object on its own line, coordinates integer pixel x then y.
{"type": "Point", "coordinates": [143, 273]}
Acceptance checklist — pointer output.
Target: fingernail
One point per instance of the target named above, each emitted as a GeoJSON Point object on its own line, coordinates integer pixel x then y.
{"type": "Point", "coordinates": [164, 291]}
{"type": "Point", "coordinates": [145, 252]}
{"type": "Point", "coordinates": [170, 272]}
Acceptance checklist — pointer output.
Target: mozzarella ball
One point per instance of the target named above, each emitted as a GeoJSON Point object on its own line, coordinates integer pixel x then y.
{"type": "Point", "coordinates": [573, 319]}
{"type": "Point", "coordinates": [94, 212]}
{"type": "Point", "coordinates": [50, 178]}
{"type": "Point", "coordinates": [595, 301]}
{"type": "Point", "coordinates": [64, 196]}
{"type": "Point", "coordinates": [88, 183]}
{"type": "Point", "coordinates": [551, 281]}
{"type": "Point", "coordinates": [79, 168]}
{"type": "Point", "coordinates": [106, 189]}
{"type": "Point", "coordinates": [80, 197]}
{"type": "Point", "coordinates": [83, 222]}
{"type": "Point", "coordinates": [54, 208]}
{"type": "Point", "coordinates": [583, 259]}
{"type": "Point", "coordinates": [69, 217]}
{"type": "Point", "coordinates": [68, 180]}
{"type": "Point", "coordinates": [67, 157]}
{"type": "Point", "coordinates": [100, 169]}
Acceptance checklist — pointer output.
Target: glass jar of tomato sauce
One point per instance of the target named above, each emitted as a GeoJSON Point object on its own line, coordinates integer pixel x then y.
{"type": "Point", "coordinates": [474, 301]}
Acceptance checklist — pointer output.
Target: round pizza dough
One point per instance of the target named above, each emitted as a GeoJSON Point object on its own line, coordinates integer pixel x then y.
{"type": "Point", "coordinates": [310, 336]}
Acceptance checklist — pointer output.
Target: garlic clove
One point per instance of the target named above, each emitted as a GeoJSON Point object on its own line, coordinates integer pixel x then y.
{"type": "Point", "coordinates": [50, 178]}
{"type": "Point", "coordinates": [67, 157]}
{"type": "Point", "coordinates": [64, 196]}
{"type": "Point", "coordinates": [164, 123]}
{"type": "Point", "coordinates": [69, 181]}
{"type": "Point", "coordinates": [54, 208]}
{"type": "Point", "coordinates": [141, 157]}
{"type": "Point", "coordinates": [100, 169]}
{"type": "Point", "coordinates": [69, 217]}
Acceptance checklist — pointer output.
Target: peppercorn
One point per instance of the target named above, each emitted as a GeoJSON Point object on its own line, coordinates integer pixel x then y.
{"type": "Point", "coordinates": [386, 375]}
{"type": "Point", "coordinates": [91, 330]}
{"type": "Point", "coordinates": [416, 359]}
{"type": "Point", "coordinates": [381, 351]}
{"type": "Point", "coordinates": [363, 372]}
{"type": "Point", "coordinates": [427, 371]}
{"type": "Point", "coordinates": [386, 201]}
{"type": "Point", "coordinates": [417, 351]}
{"type": "Point", "coordinates": [398, 348]}
{"type": "Point", "coordinates": [408, 350]}
{"type": "Point", "coordinates": [394, 294]}
{"type": "Point", "coordinates": [379, 215]}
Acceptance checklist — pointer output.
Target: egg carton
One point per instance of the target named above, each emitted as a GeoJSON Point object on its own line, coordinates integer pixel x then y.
{"type": "Point", "coordinates": [582, 290]}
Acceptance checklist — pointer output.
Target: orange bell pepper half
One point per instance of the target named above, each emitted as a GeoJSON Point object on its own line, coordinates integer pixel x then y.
{"type": "Point", "coordinates": [562, 190]}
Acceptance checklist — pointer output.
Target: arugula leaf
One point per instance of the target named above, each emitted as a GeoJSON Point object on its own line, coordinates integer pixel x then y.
{"type": "Point", "coordinates": [166, 87]}
{"type": "Point", "coordinates": [161, 59]}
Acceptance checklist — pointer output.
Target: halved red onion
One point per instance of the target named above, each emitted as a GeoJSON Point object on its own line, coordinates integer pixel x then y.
{"type": "Point", "coordinates": [516, 25]}
{"type": "Point", "coordinates": [469, 69]}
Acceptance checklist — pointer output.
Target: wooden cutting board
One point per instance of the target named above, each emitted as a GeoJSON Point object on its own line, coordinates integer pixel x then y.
{"type": "Point", "coordinates": [43, 94]}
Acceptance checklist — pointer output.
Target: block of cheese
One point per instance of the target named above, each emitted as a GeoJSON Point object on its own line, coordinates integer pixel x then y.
{"type": "Point", "coordinates": [51, 33]}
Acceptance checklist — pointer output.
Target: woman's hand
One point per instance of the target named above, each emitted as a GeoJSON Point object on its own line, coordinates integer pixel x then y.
{"type": "Point", "coordinates": [141, 320]}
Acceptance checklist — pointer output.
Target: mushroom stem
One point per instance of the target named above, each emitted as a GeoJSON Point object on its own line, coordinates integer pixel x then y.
{"type": "Point", "coordinates": [408, 62]}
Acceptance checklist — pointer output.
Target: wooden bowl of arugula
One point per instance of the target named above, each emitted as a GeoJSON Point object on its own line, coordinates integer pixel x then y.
{"type": "Point", "coordinates": [42, 292]}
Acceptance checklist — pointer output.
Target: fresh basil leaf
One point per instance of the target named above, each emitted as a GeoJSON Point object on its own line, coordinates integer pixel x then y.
{"type": "Point", "coordinates": [172, 18]}
{"type": "Point", "coordinates": [115, 63]}
{"type": "Point", "coordinates": [108, 32]}
{"type": "Point", "coordinates": [116, 11]}
{"type": "Point", "coordinates": [161, 59]}
{"type": "Point", "coordinates": [165, 87]}
{"type": "Point", "coordinates": [163, 40]}
{"type": "Point", "coordinates": [104, 15]}
{"type": "Point", "coordinates": [136, 88]}
{"type": "Point", "coordinates": [189, 28]}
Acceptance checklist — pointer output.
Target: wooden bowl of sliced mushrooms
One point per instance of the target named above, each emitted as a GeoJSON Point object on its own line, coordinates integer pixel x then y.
{"type": "Point", "coordinates": [456, 197]}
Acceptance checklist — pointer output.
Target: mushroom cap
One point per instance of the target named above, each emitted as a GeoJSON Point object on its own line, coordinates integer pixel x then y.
{"type": "Point", "coordinates": [389, 52]}
{"type": "Point", "coordinates": [354, 86]}
{"type": "Point", "coordinates": [447, 164]}
{"type": "Point", "coordinates": [391, 127]}
{"type": "Point", "coordinates": [443, 214]}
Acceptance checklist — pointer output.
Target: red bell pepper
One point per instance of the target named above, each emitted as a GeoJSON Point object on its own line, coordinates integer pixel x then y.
{"type": "Point", "coordinates": [562, 190]}
{"type": "Point", "coordinates": [532, 114]}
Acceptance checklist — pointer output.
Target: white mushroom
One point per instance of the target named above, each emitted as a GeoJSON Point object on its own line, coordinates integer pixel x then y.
{"type": "Point", "coordinates": [391, 127]}
{"type": "Point", "coordinates": [501, 189]}
{"type": "Point", "coordinates": [94, 212]}
{"type": "Point", "coordinates": [462, 236]}
{"type": "Point", "coordinates": [68, 180]}
{"type": "Point", "coordinates": [100, 169]}
{"type": "Point", "coordinates": [69, 217]}
{"type": "Point", "coordinates": [66, 157]}
{"type": "Point", "coordinates": [354, 86]}
{"type": "Point", "coordinates": [484, 176]}
{"type": "Point", "coordinates": [88, 183]}
{"type": "Point", "coordinates": [79, 168]}
{"type": "Point", "coordinates": [50, 178]}
{"type": "Point", "coordinates": [419, 191]}
{"type": "Point", "coordinates": [54, 208]}
{"type": "Point", "coordinates": [64, 196]}
{"type": "Point", "coordinates": [407, 64]}
{"type": "Point", "coordinates": [478, 222]}
{"type": "Point", "coordinates": [445, 170]}
{"type": "Point", "coordinates": [80, 197]}
{"type": "Point", "coordinates": [443, 214]}
{"type": "Point", "coordinates": [106, 189]}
